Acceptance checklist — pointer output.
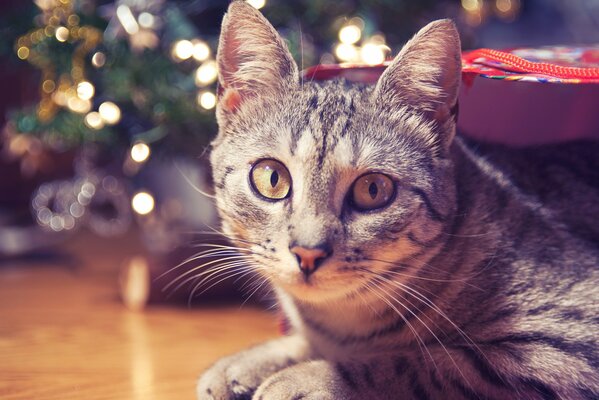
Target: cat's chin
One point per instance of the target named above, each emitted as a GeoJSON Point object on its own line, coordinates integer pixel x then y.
{"type": "Point", "coordinates": [314, 292]}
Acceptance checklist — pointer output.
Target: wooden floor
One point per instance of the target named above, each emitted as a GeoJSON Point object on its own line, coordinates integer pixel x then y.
{"type": "Point", "coordinates": [65, 335]}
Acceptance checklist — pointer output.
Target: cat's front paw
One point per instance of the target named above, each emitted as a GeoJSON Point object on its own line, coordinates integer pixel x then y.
{"type": "Point", "coordinates": [236, 377]}
{"type": "Point", "coordinates": [313, 380]}
{"type": "Point", "coordinates": [230, 378]}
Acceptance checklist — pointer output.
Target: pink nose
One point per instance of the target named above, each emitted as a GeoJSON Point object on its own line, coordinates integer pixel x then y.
{"type": "Point", "coordinates": [309, 259]}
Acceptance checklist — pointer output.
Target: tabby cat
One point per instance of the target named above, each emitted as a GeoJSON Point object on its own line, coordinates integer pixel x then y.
{"type": "Point", "coordinates": [410, 263]}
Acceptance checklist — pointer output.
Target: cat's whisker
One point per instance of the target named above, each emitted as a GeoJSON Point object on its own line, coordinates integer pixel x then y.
{"type": "Point", "coordinates": [227, 275]}
{"type": "Point", "coordinates": [423, 278]}
{"type": "Point", "coordinates": [210, 272]}
{"type": "Point", "coordinates": [209, 276]}
{"type": "Point", "coordinates": [207, 264]}
{"type": "Point", "coordinates": [204, 254]}
{"type": "Point", "coordinates": [260, 285]}
{"type": "Point", "coordinates": [429, 303]}
{"type": "Point", "coordinates": [436, 338]}
{"type": "Point", "coordinates": [373, 289]}
{"type": "Point", "coordinates": [193, 185]}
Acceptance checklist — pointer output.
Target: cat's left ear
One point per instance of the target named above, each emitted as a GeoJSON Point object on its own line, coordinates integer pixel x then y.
{"type": "Point", "coordinates": [253, 60]}
{"type": "Point", "coordinates": [425, 77]}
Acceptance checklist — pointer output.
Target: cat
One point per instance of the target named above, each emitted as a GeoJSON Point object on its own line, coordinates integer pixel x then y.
{"type": "Point", "coordinates": [411, 263]}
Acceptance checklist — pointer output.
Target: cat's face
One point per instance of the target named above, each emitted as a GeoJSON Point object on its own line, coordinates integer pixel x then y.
{"type": "Point", "coordinates": [351, 180]}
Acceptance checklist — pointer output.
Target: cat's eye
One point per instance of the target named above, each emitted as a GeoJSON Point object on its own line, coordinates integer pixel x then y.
{"type": "Point", "coordinates": [372, 191]}
{"type": "Point", "coordinates": [271, 179]}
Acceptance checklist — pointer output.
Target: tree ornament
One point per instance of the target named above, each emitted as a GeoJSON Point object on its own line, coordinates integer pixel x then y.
{"type": "Point", "coordinates": [59, 25]}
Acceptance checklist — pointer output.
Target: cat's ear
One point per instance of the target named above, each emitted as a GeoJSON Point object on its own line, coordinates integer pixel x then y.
{"type": "Point", "coordinates": [425, 76]}
{"type": "Point", "coordinates": [253, 60]}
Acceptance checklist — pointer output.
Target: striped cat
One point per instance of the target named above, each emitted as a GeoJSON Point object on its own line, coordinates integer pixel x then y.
{"type": "Point", "coordinates": [410, 263]}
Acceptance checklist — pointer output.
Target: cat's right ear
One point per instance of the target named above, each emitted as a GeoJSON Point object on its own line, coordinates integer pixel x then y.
{"type": "Point", "coordinates": [253, 60]}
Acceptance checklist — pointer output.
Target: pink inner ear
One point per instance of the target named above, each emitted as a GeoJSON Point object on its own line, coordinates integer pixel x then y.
{"type": "Point", "coordinates": [231, 100]}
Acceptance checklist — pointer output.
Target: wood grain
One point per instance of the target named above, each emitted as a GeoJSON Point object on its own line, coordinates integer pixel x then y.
{"type": "Point", "coordinates": [65, 335]}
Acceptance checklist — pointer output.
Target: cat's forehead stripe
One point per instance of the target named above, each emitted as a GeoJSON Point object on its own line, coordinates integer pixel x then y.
{"type": "Point", "coordinates": [329, 109]}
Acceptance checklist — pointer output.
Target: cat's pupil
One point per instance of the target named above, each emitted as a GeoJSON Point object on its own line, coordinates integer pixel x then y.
{"type": "Point", "coordinates": [373, 190]}
{"type": "Point", "coordinates": [274, 178]}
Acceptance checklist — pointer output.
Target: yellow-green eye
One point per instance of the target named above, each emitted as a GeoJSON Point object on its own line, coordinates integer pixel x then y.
{"type": "Point", "coordinates": [372, 191]}
{"type": "Point", "coordinates": [271, 179]}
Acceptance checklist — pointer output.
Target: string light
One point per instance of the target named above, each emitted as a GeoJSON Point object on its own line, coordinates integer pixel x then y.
{"type": "Point", "coordinates": [23, 52]}
{"type": "Point", "coordinates": [207, 100]}
{"type": "Point", "coordinates": [98, 59]}
{"type": "Point", "coordinates": [350, 34]}
{"type": "Point", "coordinates": [140, 152]}
{"type": "Point", "coordinates": [48, 86]}
{"type": "Point", "coordinates": [142, 203]}
{"type": "Point", "coordinates": [93, 120]}
{"type": "Point", "coordinates": [110, 112]}
{"type": "Point", "coordinates": [78, 105]}
{"type": "Point", "coordinates": [372, 54]}
{"type": "Point", "coordinates": [507, 9]}
{"type": "Point", "coordinates": [346, 52]}
{"type": "Point", "coordinates": [182, 50]}
{"type": "Point", "coordinates": [258, 4]}
{"type": "Point", "coordinates": [146, 20]}
{"type": "Point", "coordinates": [62, 34]}
{"type": "Point", "coordinates": [472, 5]}
{"type": "Point", "coordinates": [201, 51]}
{"type": "Point", "coordinates": [127, 19]}
{"type": "Point", "coordinates": [85, 90]}
{"type": "Point", "coordinates": [206, 73]}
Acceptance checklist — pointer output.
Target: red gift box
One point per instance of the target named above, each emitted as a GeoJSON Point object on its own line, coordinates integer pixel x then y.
{"type": "Point", "coordinates": [516, 97]}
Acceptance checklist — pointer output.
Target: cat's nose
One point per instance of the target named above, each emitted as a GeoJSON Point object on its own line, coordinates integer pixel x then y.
{"type": "Point", "coordinates": [310, 258]}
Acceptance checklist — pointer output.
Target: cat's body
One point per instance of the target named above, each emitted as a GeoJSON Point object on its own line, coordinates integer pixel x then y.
{"type": "Point", "coordinates": [477, 277]}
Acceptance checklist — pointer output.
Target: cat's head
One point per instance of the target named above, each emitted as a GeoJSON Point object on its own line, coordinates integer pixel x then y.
{"type": "Point", "coordinates": [330, 185]}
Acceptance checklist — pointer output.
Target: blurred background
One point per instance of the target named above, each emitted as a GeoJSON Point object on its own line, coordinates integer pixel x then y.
{"type": "Point", "coordinates": [107, 108]}
{"type": "Point", "coordinates": [106, 115]}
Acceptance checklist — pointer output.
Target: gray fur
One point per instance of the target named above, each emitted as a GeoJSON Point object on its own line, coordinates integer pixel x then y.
{"type": "Point", "coordinates": [479, 281]}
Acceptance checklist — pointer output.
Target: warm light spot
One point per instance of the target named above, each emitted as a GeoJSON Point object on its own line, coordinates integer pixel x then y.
{"type": "Point", "coordinates": [146, 20]}
{"type": "Point", "coordinates": [350, 34]}
{"type": "Point", "coordinates": [48, 86]}
{"type": "Point", "coordinates": [258, 4]}
{"type": "Point", "coordinates": [372, 54]}
{"type": "Point", "coordinates": [346, 52]}
{"type": "Point", "coordinates": [201, 51]}
{"type": "Point", "coordinates": [135, 283]}
{"type": "Point", "coordinates": [94, 120]}
{"type": "Point", "coordinates": [78, 105]}
{"type": "Point", "coordinates": [98, 59]}
{"type": "Point", "coordinates": [507, 9]}
{"type": "Point", "coordinates": [471, 5]}
{"type": "Point", "coordinates": [85, 90]}
{"type": "Point", "coordinates": [73, 19]}
{"type": "Point", "coordinates": [142, 203]}
{"type": "Point", "coordinates": [207, 100]}
{"type": "Point", "coordinates": [127, 19]}
{"type": "Point", "coordinates": [182, 50]}
{"type": "Point", "coordinates": [110, 112]}
{"type": "Point", "coordinates": [23, 52]}
{"type": "Point", "coordinates": [206, 73]}
{"type": "Point", "coordinates": [62, 34]}
{"type": "Point", "coordinates": [140, 152]}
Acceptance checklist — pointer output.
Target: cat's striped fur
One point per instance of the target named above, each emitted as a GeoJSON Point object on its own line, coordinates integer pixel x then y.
{"type": "Point", "coordinates": [479, 280]}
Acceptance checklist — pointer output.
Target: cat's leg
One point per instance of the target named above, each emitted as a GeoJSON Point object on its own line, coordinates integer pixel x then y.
{"type": "Point", "coordinates": [237, 376]}
{"type": "Point", "coordinates": [309, 380]}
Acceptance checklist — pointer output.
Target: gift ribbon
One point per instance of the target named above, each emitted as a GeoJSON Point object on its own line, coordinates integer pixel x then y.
{"type": "Point", "coordinates": [519, 64]}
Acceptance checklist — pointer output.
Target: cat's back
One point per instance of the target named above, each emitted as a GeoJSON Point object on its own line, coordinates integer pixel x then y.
{"type": "Point", "coordinates": [562, 179]}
